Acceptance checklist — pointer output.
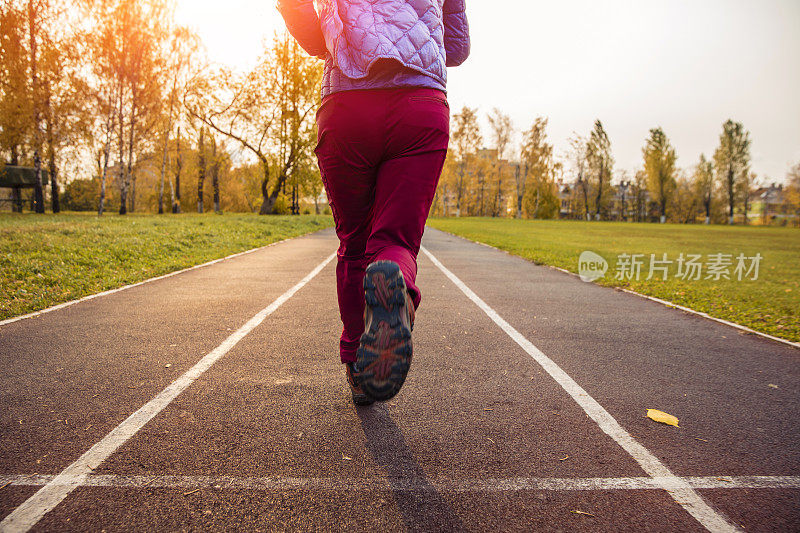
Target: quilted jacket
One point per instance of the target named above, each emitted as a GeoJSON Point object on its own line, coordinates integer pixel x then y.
{"type": "Point", "coordinates": [424, 36]}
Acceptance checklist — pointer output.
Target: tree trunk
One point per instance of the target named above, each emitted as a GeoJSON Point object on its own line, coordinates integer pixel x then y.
{"type": "Point", "coordinates": [585, 191]}
{"type": "Point", "coordinates": [16, 192]}
{"type": "Point", "coordinates": [215, 173]}
{"type": "Point", "coordinates": [38, 191]}
{"type": "Point", "coordinates": [599, 190]}
{"type": "Point", "coordinates": [53, 182]}
{"type": "Point", "coordinates": [101, 205]}
{"type": "Point", "coordinates": [166, 147]}
{"type": "Point", "coordinates": [201, 169]}
{"type": "Point", "coordinates": [123, 184]}
{"type": "Point", "coordinates": [731, 195]}
{"type": "Point", "coordinates": [163, 171]}
{"type": "Point", "coordinates": [268, 205]}
{"type": "Point", "coordinates": [130, 175]}
{"type": "Point", "coordinates": [38, 194]}
{"type": "Point", "coordinates": [176, 206]}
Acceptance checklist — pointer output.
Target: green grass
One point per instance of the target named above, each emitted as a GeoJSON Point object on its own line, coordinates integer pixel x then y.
{"type": "Point", "coordinates": [49, 259]}
{"type": "Point", "coordinates": [770, 304]}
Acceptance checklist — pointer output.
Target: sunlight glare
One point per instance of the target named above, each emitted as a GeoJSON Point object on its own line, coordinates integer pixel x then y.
{"type": "Point", "coordinates": [234, 31]}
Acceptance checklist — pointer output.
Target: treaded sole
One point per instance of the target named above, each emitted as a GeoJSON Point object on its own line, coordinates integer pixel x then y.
{"type": "Point", "coordinates": [385, 351]}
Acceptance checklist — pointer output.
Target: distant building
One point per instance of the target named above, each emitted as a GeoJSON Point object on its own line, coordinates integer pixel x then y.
{"type": "Point", "coordinates": [767, 204]}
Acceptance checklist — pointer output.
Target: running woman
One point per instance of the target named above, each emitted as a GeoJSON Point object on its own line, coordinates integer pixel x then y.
{"type": "Point", "coordinates": [383, 131]}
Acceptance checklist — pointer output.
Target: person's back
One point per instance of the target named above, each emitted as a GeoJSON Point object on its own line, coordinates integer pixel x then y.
{"type": "Point", "coordinates": [383, 131]}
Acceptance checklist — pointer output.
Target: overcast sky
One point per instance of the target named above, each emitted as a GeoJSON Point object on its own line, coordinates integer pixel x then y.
{"type": "Point", "coordinates": [686, 66]}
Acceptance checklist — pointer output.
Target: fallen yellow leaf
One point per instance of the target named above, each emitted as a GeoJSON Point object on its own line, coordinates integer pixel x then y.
{"type": "Point", "coordinates": [661, 416]}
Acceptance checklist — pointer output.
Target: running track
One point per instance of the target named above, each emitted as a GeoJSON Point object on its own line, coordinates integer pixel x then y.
{"type": "Point", "coordinates": [213, 400]}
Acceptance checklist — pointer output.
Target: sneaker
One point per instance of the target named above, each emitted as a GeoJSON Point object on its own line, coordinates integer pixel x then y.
{"type": "Point", "coordinates": [384, 354]}
{"type": "Point", "coordinates": [359, 398]}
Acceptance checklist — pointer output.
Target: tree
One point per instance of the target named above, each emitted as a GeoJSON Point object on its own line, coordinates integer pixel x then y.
{"type": "Point", "coordinates": [748, 182]}
{"type": "Point", "coordinates": [201, 168]}
{"type": "Point", "coordinates": [639, 195]}
{"type": "Point", "coordinates": [659, 165]}
{"type": "Point", "coordinates": [268, 111]}
{"type": "Point", "coordinates": [578, 159]}
{"type": "Point", "coordinates": [465, 140]}
{"type": "Point", "coordinates": [176, 205]}
{"type": "Point", "coordinates": [600, 164]}
{"type": "Point", "coordinates": [183, 46]}
{"type": "Point", "coordinates": [539, 191]}
{"type": "Point", "coordinates": [15, 100]}
{"type": "Point", "coordinates": [215, 165]}
{"type": "Point", "coordinates": [704, 184]}
{"type": "Point", "coordinates": [685, 200]}
{"type": "Point", "coordinates": [732, 161]}
{"type": "Point", "coordinates": [502, 132]}
{"type": "Point", "coordinates": [125, 41]}
{"type": "Point", "coordinates": [792, 192]}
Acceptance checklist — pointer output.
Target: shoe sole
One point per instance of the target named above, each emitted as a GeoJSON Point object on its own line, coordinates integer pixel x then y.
{"type": "Point", "coordinates": [384, 353]}
{"type": "Point", "coordinates": [362, 400]}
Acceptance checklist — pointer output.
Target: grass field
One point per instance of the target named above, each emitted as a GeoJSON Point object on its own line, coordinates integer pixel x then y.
{"type": "Point", "coordinates": [770, 304]}
{"type": "Point", "coordinates": [49, 259]}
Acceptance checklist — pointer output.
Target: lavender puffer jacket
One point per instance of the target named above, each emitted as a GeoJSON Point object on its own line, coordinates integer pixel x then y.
{"type": "Point", "coordinates": [424, 36]}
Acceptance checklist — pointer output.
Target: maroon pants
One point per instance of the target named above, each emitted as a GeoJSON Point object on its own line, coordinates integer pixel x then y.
{"type": "Point", "coordinates": [380, 154]}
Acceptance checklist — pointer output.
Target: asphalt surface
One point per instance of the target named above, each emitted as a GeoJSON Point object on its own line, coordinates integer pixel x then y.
{"type": "Point", "coordinates": [480, 438]}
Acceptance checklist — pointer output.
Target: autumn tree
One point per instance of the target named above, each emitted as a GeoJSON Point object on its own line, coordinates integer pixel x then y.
{"type": "Point", "coordinates": [181, 50]}
{"type": "Point", "coordinates": [539, 191]}
{"type": "Point", "coordinates": [600, 165]}
{"type": "Point", "coordinates": [792, 192]}
{"type": "Point", "coordinates": [578, 156]}
{"type": "Point", "coordinates": [268, 112]}
{"type": "Point", "coordinates": [15, 102]}
{"type": "Point", "coordinates": [465, 140]}
{"type": "Point", "coordinates": [732, 161]}
{"type": "Point", "coordinates": [704, 184]}
{"type": "Point", "coordinates": [659, 164]}
{"type": "Point", "coordinates": [201, 168]}
{"type": "Point", "coordinates": [127, 36]}
{"type": "Point", "coordinates": [502, 129]}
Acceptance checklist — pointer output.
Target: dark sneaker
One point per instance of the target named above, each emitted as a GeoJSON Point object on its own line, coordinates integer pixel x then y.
{"type": "Point", "coordinates": [384, 354]}
{"type": "Point", "coordinates": [359, 398]}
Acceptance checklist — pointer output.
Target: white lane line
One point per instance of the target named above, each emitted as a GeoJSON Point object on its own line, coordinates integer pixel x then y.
{"type": "Point", "coordinates": [680, 490]}
{"type": "Point", "coordinates": [118, 289]}
{"type": "Point", "coordinates": [405, 484]}
{"type": "Point", "coordinates": [43, 501]}
{"type": "Point", "coordinates": [665, 303]}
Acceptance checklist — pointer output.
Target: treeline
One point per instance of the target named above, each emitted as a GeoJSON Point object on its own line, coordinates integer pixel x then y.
{"type": "Point", "coordinates": [118, 83]}
{"type": "Point", "coordinates": [529, 180]}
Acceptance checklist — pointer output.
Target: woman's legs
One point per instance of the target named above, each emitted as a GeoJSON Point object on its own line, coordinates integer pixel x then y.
{"type": "Point", "coordinates": [380, 154]}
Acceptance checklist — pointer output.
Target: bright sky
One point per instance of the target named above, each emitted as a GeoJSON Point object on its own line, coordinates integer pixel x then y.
{"type": "Point", "coordinates": [684, 65]}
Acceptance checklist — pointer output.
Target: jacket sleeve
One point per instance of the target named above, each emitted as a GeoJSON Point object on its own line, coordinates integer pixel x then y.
{"type": "Point", "coordinates": [303, 23]}
{"type": "Point", "coordinates": [456, 32]}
